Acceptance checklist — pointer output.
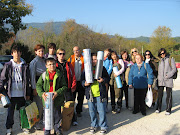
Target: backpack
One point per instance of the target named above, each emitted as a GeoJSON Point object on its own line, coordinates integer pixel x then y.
{"type": "Point", "coordinates": [175, 74]}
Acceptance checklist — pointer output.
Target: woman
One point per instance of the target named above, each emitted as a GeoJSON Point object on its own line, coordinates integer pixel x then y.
{"type": "Point", "coordinates": [127, 65]}
{"type": "Point", "coordinates": [153, 62]}
{"type": "Point", "coordinates": [134, 52]}
{"type": "Point", "coordinates": [114, 91]}
{"type": "Point", "coordinates": [139, 80]}
{"type": "Point", "coordinates": [166, 70]}
{"type": "Point", "coordinates": [37, 67]}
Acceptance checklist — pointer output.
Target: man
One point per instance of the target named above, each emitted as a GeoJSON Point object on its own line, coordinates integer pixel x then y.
{"type": "Point", "coordinates": [77, 62]}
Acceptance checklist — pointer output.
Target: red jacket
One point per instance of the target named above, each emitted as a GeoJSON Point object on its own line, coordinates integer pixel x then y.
{"type": "Point", "coordinates": [70, 76]}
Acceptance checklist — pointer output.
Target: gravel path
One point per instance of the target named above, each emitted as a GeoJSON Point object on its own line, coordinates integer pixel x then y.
{"type": "Point", "coordinates": [124, 123]}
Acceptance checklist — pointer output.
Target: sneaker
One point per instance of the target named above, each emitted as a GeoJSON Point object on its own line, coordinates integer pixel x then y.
{"type": "Point", "coordinates": [103, 131]}
{"type": "Point", "coordinates": [74, 123]}
{"type": "Point", "coordinates": [114, 111]}
{"type": "Point", "coordinates": [79, 114]}
{"type": "Point", "coordinates": [25, 130]}
{"type": "Point", "coordinates": [118, 110]}
{"type": "Point", "coordinates": [9, 131]}
{"type": "Point", "coordinates": [167, 113]}
{"type": "Point", "coordinates": [92, 130]}
{"type": "Point", "coordinates": [157, 111]}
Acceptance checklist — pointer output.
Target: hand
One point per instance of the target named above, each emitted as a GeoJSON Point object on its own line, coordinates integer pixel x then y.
{"type": "Point", "coordinates": [107, 86]}
{"type": "Point", "coordinates": [44, 96]}
{"type": "Point", "coordinates": [86, 84]}
{"type": "Point", "coordinates": [115, 75]}
{"type": "Point", "coordinates": [100, 80]}
{"type": "Point", "coordinates": [55, 95]}
{"type": "Point", "coordinates": [27, 97]}
{"type": "Point", "coordinates": [149, 86]}
{"type": "Point", "coordinates": [130, 86]}
{"type": "Point", "coordinates": [35, 92]}
{"type": "Point", "coordinates": [73, 90]}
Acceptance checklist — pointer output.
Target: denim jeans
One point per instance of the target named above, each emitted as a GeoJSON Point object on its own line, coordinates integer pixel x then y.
{"type": "Point", "coordinates": [100, 107]}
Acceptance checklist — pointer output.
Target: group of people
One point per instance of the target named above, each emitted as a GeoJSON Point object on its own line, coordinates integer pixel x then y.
{"type": "Point", "coordinates": [66, 80]}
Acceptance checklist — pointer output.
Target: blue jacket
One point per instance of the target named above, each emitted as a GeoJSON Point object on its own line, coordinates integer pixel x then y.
{"type": "Point", "coordinates": [138, 78]}
{"type": "Point", "coordinates": [108, 64]}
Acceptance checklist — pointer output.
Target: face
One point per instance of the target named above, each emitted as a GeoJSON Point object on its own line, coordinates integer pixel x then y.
{"type": "Point", "coordinates": [162, 54]}
{"type": "Point", "coordinates": [51, 66]}
{"type": "Point", "coordinates": [113, 56]}
{"type": "Point", "coordinates": [61, 55]}
{"type": "Point", "coordinates": [106, 53]}
{"type": "Point", "coordinates": [138, 59]}
{"type": "Point", "coordinates": [51, 50]}
{"type": "Point", "coordinates": [94, 60]}
{"type": "Point", "coordinates": [134, 52]}
{"type": "Point", "coordinates": [16, 55]}
{"type": "Point", "coordinates": [76, 51]}
{"type": "Point", "coordinates": [40, 52]}
{"type": "Point", "coordinates": [124, 56]}
{"type": "Point", "coordinates": [147, 55]}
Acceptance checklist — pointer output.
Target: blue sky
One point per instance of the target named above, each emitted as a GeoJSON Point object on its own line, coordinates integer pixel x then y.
{"type": "Point", "coordinates": [128, 18]}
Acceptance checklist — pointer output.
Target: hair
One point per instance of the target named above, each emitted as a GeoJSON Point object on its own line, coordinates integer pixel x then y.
{"type": "Point", "coordinates": [160, 50]}
{"type": "Point", "coordinates": [51, 59]}
{"type": "Point", "coordinates": [15, 48]}
{"type": "Point", "coordinates": [151, 56]}
{"type": "Point", "coordinates": [115, 53]}
{"type": "Point", "coordinates": [108, 49]}
{"type": "Point", "coordinates": [39, 46]}
{"type": "Point", "coordinates": [140, 56]}
{"type": "Point", "coordinates": [60, 49]}
{"type": "Point", "coordinates": [52, 45]}
{"type": "Point", "coordinates": [123, 52]}
{"type": "Point", "coordinates": [132, 57]}
{"type": "Point", "coordinates": [93, 54]}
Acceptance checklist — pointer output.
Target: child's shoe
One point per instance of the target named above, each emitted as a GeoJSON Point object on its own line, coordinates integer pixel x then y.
{"type": "Point", "coordinates": [9, 131]}
{"type": "Point", "coordinates": [93, 130]}
{"type": "Point", "coordinates": [103, 131]}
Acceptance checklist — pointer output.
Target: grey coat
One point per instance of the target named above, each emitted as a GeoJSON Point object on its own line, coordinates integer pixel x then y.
{"type": "Point", "coordinates": [165, 72]}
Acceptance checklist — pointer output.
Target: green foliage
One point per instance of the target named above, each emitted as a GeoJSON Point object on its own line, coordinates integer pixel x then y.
{"type": "Point", "coordinates": [11, 12]}
{"type": "Point", "coordinates": [27, 55]}
{"type": "Point", "coordinates": [176, 57]}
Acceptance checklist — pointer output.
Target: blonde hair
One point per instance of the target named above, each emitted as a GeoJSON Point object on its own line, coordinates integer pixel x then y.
{"type": "Point", "coordinates": [132, 56]}
{"type": "Point", "coordinates": [60, 49]}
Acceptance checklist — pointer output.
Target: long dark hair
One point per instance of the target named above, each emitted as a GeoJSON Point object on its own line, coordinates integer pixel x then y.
{"type": "Point", "coordinates": [151, 56]}
{"type": "Point", "coordinates": [123, 52]}
{"type": "Point", "coordinates": [160, 50]}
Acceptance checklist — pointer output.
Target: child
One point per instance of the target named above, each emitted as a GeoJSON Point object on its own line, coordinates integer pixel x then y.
{"type": "Point", "coordinates": [51, 51]}
{"type": "Point", "coordinates": [96, 96]}
{"type": "Point", "coordinates": [16, 74]}
{"type": "Point", "coordinates": [54, 82]}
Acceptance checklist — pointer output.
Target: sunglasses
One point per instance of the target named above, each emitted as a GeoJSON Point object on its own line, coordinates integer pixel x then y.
{"type": "Point", "coordinates": [147, 54]}
{"type": "Point", "coordinates": [61, 53]}
{"type": "Point", "coordinates": [162, 53]}
{"type": "Point", "coordinates": [134, 51]}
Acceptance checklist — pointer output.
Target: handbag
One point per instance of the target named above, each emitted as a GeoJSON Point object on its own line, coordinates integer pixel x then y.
{"type": "Point", "coordinates": [149, 97]}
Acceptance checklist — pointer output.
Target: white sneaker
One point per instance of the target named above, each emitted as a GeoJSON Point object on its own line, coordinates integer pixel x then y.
{"type": "Point", "coordinates": [167, 113]}
{"type": "Point", "coordinates": [157, 111]}
{"type": "Point", "coordinates": [75, 123]}
{"type": "Point", "coordinates": [9, 131]}
{"type": "Point", "coordinates": [25, 130]}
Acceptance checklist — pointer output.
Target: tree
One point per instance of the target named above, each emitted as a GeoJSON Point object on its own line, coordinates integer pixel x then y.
{"type": "Point", "coordinates": [11, 13]}
{"type": "Point", "coordinates": [161, 38]}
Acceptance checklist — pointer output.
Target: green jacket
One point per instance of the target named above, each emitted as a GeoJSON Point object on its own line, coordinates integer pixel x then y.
{"type": "Point", "coordinates": [59, 85]}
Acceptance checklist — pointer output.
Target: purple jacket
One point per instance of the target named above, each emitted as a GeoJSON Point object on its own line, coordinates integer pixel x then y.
{"type": "Point", "coordinates": [6, 77]}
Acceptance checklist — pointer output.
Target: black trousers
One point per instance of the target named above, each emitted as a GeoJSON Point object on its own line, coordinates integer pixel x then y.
{"type": "Point", "coordinates": [168, 98]}
{"type": "Point", "coordinates": [139, 100]}
{"type": "Point", "coordinates": [125, 90]}
{"type": "Point", "coordinates": [80, 90]}
{"type": "Point", "coordinates": [19, 101]}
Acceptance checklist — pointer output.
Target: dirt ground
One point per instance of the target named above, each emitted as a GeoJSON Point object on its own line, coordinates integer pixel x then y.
{"type": "Point", "coordinates": [124, 123]}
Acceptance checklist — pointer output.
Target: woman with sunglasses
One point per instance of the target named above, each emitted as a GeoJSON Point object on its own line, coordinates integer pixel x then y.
{"type": "Point", "coordinates": [134, 52]}
{"type": "Point", "coordinates": [166, 70]}
{"type": "Point", "coordinates": [153, 62]}
{"type": "Point", "coordinates": [68, 71]}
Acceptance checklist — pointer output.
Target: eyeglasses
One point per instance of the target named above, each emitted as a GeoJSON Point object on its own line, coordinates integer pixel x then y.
{"type": "Point", "coordinates": [51, 64]}
{"type": "Point", "coordinates": [134, 51]}
{"type": "Point", "coordinates": [147, 54]}
{"type": "Point", "coordinates": [162, 53]}
{"type": "Point", "coordinates": [61, 53]}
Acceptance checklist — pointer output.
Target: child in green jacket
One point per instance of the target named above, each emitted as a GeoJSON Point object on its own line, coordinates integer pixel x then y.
{"type": "Point", "coordinates": [53, 81]}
